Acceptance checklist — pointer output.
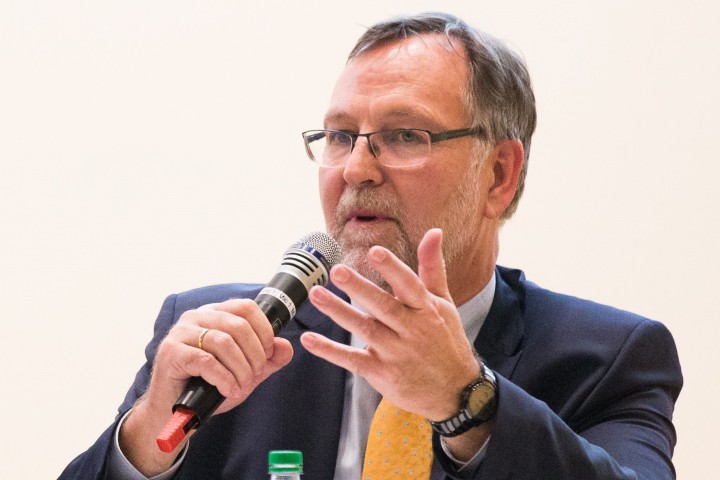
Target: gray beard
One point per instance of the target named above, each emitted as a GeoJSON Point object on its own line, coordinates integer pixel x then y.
{"type": "Point", "coordinates": [355, 256]}
{"type": "Point", "coordinates": [355, 247]}
{"type": "Point", "coordinates": [458, 236]}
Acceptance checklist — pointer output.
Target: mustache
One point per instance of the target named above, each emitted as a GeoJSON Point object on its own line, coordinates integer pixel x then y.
{"type": "Point", "coordinates": [354, 199]}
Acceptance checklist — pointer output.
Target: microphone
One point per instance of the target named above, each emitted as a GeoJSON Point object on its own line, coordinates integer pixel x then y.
{"type": "Point", "coordinates": [305, 263]}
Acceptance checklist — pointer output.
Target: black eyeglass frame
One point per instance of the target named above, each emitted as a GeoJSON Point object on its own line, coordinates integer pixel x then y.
{"type": "Point", "coordinates": [312, 135]}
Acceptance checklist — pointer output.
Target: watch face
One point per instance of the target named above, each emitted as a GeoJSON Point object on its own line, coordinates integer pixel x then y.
{"type": "Point", "coordinates": [479, 397]}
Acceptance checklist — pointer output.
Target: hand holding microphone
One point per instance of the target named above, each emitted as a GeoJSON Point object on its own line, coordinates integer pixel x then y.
{"type": "Point", "coordinates": [305, 264]}
{"type": "Point", "coordinates": [239, 351]}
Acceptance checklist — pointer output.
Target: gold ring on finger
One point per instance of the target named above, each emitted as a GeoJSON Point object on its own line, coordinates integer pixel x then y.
{"type": "Point", "coordinates": [201, 337]}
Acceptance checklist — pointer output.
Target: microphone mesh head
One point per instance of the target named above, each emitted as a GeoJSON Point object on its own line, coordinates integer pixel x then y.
{"type": "Point", "coordinates": [325, 244]}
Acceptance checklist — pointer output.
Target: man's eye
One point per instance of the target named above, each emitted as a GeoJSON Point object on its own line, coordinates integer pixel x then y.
{"type": "Point", "coordinates": [404, 137]}
{"type": "Point", "coordinates": [338, 138]}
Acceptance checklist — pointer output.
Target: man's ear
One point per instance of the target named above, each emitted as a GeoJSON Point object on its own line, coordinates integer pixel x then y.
{"type": "Point", "coordinates": [507, 160]}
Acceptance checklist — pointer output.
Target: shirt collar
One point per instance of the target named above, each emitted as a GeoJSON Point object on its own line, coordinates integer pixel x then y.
{"type": "Point", "coordinates": [474, 312]}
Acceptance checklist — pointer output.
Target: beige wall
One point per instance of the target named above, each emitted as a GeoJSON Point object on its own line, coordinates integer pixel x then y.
{"type": "Point", "coordinates": [149, 147]}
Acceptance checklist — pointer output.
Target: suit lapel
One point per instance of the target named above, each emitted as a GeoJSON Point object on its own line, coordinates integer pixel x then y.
{"type": "Point", "coordinates": [309, 318]}
{"type": "Point", "coordinates": [499, 342]}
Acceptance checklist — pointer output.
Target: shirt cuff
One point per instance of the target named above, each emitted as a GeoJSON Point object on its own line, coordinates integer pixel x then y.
{"type": "Point", "coordinates": [118, 466]}
{"type": "Point", "coordinates": [470, 464]}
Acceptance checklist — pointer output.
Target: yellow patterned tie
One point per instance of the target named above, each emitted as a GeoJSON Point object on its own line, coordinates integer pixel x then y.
{"type": "Point", "coordinates": [399, 445]}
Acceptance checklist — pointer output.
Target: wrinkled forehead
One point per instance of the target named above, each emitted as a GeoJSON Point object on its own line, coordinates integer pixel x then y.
{"type": "Point", "coordinates": [430, 69]}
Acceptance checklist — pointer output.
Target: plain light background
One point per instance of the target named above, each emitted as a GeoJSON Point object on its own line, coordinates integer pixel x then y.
{"type": "Point", "coordinates": [152, 147]}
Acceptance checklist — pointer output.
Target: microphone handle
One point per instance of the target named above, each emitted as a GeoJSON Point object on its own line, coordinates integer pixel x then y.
{"type": "Point", "coordinates": [278, 302]}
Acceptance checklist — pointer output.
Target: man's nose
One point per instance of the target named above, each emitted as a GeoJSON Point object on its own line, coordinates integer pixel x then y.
{"type": "Point", "coordinates": [362, 167]}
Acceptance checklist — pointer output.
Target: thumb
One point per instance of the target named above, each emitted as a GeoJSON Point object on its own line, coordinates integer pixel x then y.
{"type": "Point", "coordinates": [431, 264]}
{"type": "Point", "coordinates": [282, 354]}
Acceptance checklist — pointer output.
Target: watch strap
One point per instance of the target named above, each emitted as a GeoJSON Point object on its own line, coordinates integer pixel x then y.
{"type": "Point", "coordinates": [464, 420]}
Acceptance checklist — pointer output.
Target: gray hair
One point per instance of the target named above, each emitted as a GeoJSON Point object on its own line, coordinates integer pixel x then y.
{"type": "Point", "coordinates": [500, 95]}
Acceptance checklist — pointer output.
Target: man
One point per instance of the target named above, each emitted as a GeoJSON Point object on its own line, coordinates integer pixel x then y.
{"type": "Point", "coordinates": [422, 157]}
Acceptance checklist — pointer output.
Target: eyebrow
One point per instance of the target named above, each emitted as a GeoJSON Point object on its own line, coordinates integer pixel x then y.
{"type": "Point", "coordinates": [339, 116]}
{"type": "Point", "coordinates": [334, 116]}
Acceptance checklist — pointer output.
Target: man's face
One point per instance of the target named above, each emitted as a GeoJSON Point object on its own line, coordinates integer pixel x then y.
{"type": "Point", "coordinates": [413, 83]}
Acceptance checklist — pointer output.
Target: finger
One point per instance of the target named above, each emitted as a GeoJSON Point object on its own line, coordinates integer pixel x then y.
{"type": "Point", "coordinates": [188, 361]}
{"type": "Point", "coordinates": [185, 361]}
{"type": "Point", "coordinates": [406, 285]}
{"type": "Point", "coordinates": [282, 354]}
{"type": "Point", "coordinates": [223, 347]}
{"type": "Point", "coordinates": [230, 338]}
{"type": "Point", "coordinates": [375, 301]}
{"type": "Point", "coordinates": [250, 311]}
{"type": "Point", "coordinates": [351, 359]}
{"type": "Point", "coordinates": [431, 264]}
{"type": "Point", "coordinates": [348, 317]}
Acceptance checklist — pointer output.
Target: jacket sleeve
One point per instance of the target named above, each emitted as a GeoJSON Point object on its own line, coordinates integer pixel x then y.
{"type": "Point", "coordinates": [91, 463]}
{"type": "Point", "coordinates": [622, 429]}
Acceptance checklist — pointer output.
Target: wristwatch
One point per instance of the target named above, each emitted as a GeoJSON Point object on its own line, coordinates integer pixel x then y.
{"type": "Point", "coordinates": [478, 405]}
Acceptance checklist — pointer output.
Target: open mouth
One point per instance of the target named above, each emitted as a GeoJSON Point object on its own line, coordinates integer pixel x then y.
{"type": "Point", "coordinates": [366, 216]}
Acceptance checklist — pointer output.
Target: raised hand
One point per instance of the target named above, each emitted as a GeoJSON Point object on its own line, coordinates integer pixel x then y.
{"type": "Point", "coordinates": [417, 354]}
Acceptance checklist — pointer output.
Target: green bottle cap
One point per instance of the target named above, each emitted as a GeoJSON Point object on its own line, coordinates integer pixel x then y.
{"type": "Point", "coordinates": [285, 461]}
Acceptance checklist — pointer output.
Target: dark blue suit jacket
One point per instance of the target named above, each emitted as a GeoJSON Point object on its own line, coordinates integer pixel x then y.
{"type": "Point", "coordinates": [585, 391]}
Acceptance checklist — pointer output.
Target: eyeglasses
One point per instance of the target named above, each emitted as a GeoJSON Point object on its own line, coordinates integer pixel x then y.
{"type": "Point", "coordinates": [401, 147]}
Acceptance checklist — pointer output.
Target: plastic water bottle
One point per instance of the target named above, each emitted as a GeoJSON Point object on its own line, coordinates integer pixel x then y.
{"type": "Point", "coordinates": [285, 464]}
